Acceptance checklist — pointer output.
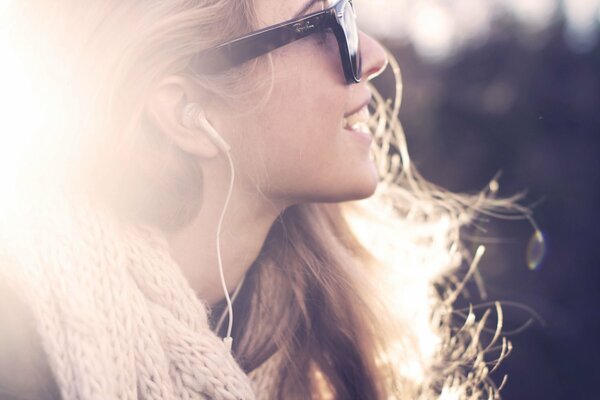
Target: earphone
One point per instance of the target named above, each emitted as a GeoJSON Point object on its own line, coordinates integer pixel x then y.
{"type": "Point", "coordinates": [193, 117]}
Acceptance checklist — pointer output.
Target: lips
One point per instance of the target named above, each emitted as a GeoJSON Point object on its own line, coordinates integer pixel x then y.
{"type": "Point", "coordinates": [363, 105]}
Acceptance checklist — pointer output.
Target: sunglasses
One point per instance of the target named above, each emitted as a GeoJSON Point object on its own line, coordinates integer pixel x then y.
{"type": "Point", "coordinates": [340, 18]}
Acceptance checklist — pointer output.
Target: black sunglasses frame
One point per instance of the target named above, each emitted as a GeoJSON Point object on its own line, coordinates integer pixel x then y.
{"type": "Point", "coordinates": [237, 51]}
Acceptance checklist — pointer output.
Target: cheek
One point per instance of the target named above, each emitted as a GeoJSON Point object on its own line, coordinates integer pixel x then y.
{"type": "Point", "coordinates": [302, 124]}
{"type": "Point", "coordinates": [295, 146]}
{"type": "Point", "coordinates": [307, 104]}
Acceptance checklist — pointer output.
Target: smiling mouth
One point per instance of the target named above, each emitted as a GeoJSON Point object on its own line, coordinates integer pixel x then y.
{"type": "Point", "coordinates": [359, 121]}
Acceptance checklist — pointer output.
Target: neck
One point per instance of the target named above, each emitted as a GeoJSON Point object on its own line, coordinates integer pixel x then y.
{"type": "Point", "coordinates": [246, 224]}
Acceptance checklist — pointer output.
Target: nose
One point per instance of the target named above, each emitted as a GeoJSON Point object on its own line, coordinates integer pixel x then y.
{"type": "Point", "coordinates": [374, 58]}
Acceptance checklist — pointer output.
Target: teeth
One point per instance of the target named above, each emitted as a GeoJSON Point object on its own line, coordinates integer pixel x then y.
{"type": "Point", "coordinates": [361, 127]}
{"type": "Point", "coordinates": [359, 121]}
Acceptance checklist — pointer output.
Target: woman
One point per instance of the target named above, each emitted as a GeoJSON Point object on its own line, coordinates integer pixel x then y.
{"type": "Point", "coordinates": [177, 163]}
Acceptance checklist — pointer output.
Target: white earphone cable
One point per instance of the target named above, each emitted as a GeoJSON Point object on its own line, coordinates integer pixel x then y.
{"type": "Point", "coordinates": [226, 310]}
{"type": "Point", "coordinates": [193, 115]}
{"type": "Point", "coordinates": [228, 340]}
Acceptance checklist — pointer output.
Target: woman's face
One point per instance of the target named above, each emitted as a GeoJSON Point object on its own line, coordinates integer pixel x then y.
{"type": "Point", "coordinates": [298, 147]}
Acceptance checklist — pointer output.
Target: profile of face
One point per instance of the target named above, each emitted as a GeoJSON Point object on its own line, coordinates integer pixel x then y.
{"type": "Point", "coordinates": [298, 146]}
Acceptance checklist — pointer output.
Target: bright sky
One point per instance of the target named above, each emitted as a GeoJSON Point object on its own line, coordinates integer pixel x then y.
{"type": "Point", "coordinates": [438, 28]}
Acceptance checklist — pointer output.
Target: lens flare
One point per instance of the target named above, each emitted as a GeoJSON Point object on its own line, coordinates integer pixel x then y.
{"type": "Point", "coordinates": [16, 90]}
{"type": "Point", "coordinates": [433, 30]}
{"type": "Point", "coordinates": [35, 107]}
{"type": "Point", "coordinates": [536, 250]}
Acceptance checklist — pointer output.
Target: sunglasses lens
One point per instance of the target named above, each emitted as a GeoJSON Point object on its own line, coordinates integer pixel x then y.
{"type": "Point", "coordinates": [351, 31]}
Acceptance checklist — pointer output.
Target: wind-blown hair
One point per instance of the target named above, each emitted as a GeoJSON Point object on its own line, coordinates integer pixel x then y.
{"type": "Point", "coordinates": [355, 299]}
{"type": "Point", "coordinates": [367, 287]}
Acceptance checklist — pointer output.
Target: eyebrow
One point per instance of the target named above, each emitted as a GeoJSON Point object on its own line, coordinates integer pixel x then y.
{"type": "Point", "coordinates": [307, 7]}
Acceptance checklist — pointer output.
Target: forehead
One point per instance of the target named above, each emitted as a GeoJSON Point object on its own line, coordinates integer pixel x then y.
{"type": "Point", "coordinates": [271, 12]}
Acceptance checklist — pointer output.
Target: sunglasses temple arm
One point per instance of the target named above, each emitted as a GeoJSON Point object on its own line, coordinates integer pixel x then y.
{"type": "Point", "coordinates": [234, 53]}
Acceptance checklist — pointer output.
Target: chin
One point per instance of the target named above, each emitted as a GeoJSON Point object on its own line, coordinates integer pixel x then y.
{"type": "Point", "coordinates": [362, 186]}
{"type": "Point", "coordinates": [368, 182]}
{"type": "Point", "coordinates": [365, 191]}
{"type": "Point", "coordinates": [346, 194]}
{"type": "Point", "coordinates": [359, 186]}
{"type": "Point", "coordinates": [361, 190]}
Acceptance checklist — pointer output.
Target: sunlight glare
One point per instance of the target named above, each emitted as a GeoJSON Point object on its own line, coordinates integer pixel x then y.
{"type": "Point", "coordinates": [432, 30]}
{"type": "Point", "coordinates": [16, 90]}
{"type": "Point", "coordinates": [473, 20]}
{"type": "Point", "coordinates": [413, 254]}
{"type": "Point", "coordinates": [582, 23]}
{"type": "Point", "coordinates": [449, 394]}
{"type": "Point", "coordinates": [534, 14]}
{"type": "Point", "coordinates": [34, 114]}
{"type": "Point", "coordinates": [439, 28]}
{"type": "Point", "coordinates": [383, 18]}
{"type": "Point", "coordinates": [3, 5]}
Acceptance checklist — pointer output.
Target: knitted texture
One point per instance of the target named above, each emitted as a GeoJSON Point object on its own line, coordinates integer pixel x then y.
{"type": "Point", "coordinates": [117, 318]}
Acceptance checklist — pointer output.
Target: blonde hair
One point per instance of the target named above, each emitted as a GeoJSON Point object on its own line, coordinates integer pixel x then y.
{"type": "Point", "coordinates": [332, 309]}
{"type": "Point", "coordinates": [368, 287]}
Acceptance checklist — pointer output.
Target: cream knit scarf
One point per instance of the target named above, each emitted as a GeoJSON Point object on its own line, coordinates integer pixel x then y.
{"type": "Point", "coordinates": [117, 318]}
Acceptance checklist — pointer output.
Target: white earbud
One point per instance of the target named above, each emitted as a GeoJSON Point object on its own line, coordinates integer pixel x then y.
{"type": "Point", "coordinates": [193, 117]}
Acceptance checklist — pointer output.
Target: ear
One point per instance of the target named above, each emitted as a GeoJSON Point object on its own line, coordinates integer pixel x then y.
{"type": "Point", "coordinates": [164, 108]}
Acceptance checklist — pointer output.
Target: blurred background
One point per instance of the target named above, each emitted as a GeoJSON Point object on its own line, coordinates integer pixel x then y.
{"type": "Point", "coordinates": [513, 86]}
